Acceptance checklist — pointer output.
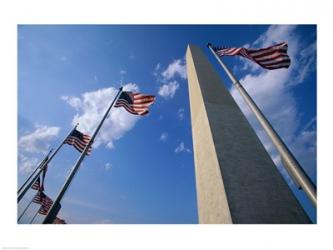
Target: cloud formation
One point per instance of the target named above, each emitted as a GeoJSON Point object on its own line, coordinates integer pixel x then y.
{"type": "Point", "coordinates": [107, 166]}
{"type": "Point", "coordinates": [34, 143]}
{"type": "Point", "coordinates": [180, 113]}
{"type": "Point", "coordinates": [164, 136]}
{"type": "Point", "coordinates": [38, 141]}
{"type": "Point", "coordinates": [181, 148]}
{"type": "Point", "coordinates": [27, 164]}
{"type": "Point", "coordinates": [168, 90]}
{"type": "Point", "coordinates": [91, 106]}
{"type": "Point", "coordinates": [176, 68]}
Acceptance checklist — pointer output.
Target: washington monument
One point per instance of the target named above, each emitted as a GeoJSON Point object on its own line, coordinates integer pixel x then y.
{"type": "Point", "coordinates": [236, 180]}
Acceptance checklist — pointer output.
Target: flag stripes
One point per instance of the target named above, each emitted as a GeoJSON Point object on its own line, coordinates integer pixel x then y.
{"type": "Point", "coordinates": [36, 185]}
{"type": "Point", "coordinates": [79, 141]}
{"type": "Point", "coordinates": [45, 202]}
{"type": "Point", "coordinates": [273, 57]}
{"type": "Point", "coordinates": [135, 103]}
{"type": "Point", "coordinates": [37, 198]}
{"type": "Point", "coordinates": [59, 221]}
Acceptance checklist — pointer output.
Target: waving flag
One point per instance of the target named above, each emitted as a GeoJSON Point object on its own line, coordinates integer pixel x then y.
{"type": "Point", "coordinates": [46, 204]}
{"type": "Point", "coordinates": [38, 197]}
{"type": "Point", "coordinates": [273, 57]}
{"type": "Point", "coordinates": [79, 141]}
{"type": "Point", "coordinates": [42, 199]}
{"type": "Point", "coordinates": [36, 185]}
{"type": "Point", "coordinates": [59, 221]}
{"type": "Point", "coordinates": [135, 103]}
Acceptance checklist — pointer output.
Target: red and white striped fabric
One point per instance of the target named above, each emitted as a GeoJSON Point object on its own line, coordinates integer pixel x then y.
{"type": "Point", "coordinates": [46, 205]}
{"type": "Point", "coordinates": [273, 57]}
{"type": "Point", "coordinates": [135, 103]}
{"type": "Point", "coordinates": [59, 221]}
{"type": "Point", "coordinates": [36, 185]}
{"type": "Point", "coordinates": [79, 141]}
{"type": "Point", "coordinates": [38, 198]}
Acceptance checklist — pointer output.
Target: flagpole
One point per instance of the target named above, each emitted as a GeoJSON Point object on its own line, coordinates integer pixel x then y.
{"type": "Point", "coordinates": [52, 213]}
{"type": "Point", "coordinates": [26, 208]}
{"type": "Point", "coordinates": [291, 164]}
{"type": "Point", "coordinates": [20, 196]}
{"type": "Point", "coordinates": [34, 216]}
{"type": "Point", "coordinates": [39, 165]}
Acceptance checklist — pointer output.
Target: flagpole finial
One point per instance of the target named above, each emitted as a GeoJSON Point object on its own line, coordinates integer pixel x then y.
{"type": "Point", "coordinates": [208, 45]}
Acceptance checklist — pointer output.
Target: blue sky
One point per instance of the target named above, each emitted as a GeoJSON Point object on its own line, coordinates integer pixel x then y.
{"type": "Point", "coordinates": [141, 169]}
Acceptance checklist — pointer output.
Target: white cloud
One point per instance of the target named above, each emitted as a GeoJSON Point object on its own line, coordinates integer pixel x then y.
{"type": "Point", "coordinates": [180, 113]}
{"type": "Point", "coordinates": [306, 62]}
{"type": "Point", "coordinates": [156, 71]}
{"type": "Point", "coordinates": [276, 34]}
{"type": "Point", "coordinates": [168, 90]}
{"type": "Point", "coordinates": [92, 106]}
{"type": "Point", "coordinates": [177, 67]}
{"type": "Point", "coordinates": [158, 66]}
{"type": "Point", "coordinates": [181, 148]}
{"type": "Point", "coordinates": [27, 164]}
{"type": "Point", "coordinates": [39, 140]}
{"type": "Point", "coordinates": [75, 102]}
{"type": "Point", "coordinates": [107, 166]}
{"type": "Point", "coordinates": [272, 92]}
{"type": "Point", "coordinates": [164, 136]}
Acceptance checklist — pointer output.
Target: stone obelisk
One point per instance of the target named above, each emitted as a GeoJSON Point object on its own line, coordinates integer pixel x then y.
{"type": "Point", "coordinates": [236, 180]}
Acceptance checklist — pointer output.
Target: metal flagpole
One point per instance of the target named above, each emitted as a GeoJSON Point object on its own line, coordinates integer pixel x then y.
{"type": "Point", "coordinates": [20, 196]}
{"type": "Point", "coordinates": [26, 208]}
{"type": "Point", "coordinates": [52, 213]}
{"type": "Point", "coordinates": [34, 216]}
{"type": "Point", "coordinates": [39, 165]}
{"type": "Point", "coordinates": [291, 164]}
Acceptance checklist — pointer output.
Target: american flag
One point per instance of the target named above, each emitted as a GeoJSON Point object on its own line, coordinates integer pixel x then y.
{"type": "Point", "coordinates": [273, 57]}
{"type": "Point", "coordinates": [36, 184]}
{"type": "Point", "coordinates": [59, 221]}
{"type": "Point", "coordinates": [135, 103]}
{"type": "Point", "coordinates": [46, 204]}
{"type": "Point", "coordinates": [38, 197]}
{"type": "Point", "coordinates": [79, 141]}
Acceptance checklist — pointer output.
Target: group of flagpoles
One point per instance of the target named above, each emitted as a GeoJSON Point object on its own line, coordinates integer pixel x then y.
{"type": "Point", "coordinates": [26, 208]}
{"type": "Point", "coordinates": [52, 213]}
{"type": "Point", "coordinates": [32, 174]}
{"type": "Point", "coordinates": [41, 168]}
{"type": "Point", "coordinates": [291, 164]}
